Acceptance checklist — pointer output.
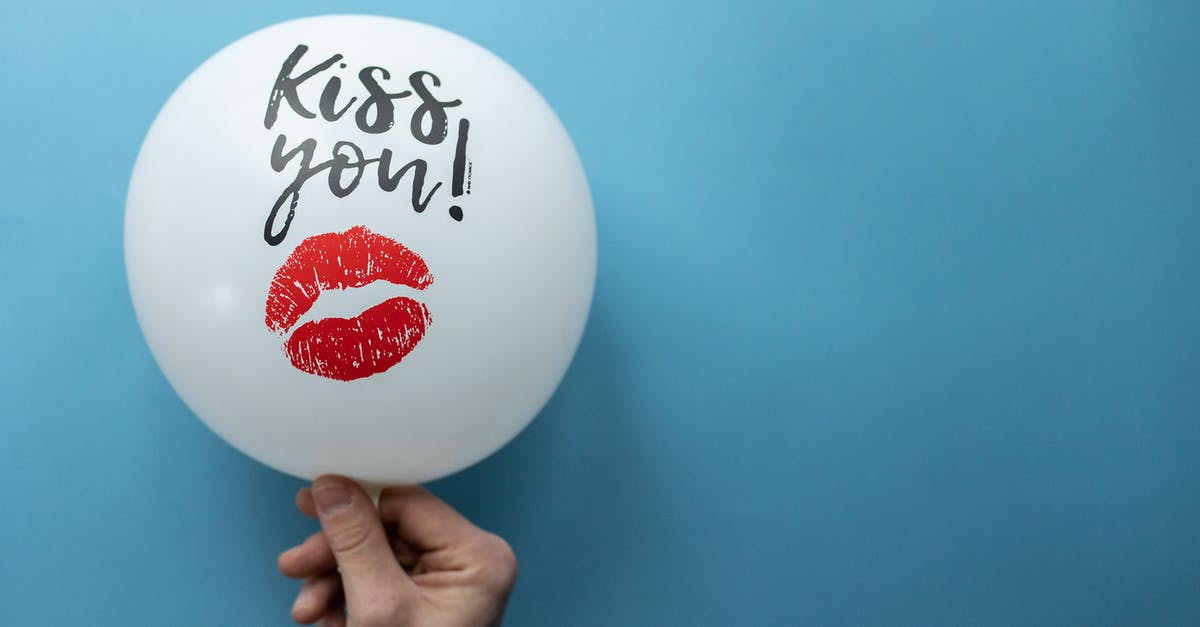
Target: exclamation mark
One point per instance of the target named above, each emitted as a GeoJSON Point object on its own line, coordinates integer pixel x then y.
{"type": "Point", "coordinates": [460, 168]}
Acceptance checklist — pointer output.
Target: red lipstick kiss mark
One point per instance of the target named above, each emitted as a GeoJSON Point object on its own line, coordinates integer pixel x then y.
{"type": "Point", "coordinates": [346, 349]}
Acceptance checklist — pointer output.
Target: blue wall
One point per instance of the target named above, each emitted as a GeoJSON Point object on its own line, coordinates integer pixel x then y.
{"type": "Point", "coordinates": [896, 321]}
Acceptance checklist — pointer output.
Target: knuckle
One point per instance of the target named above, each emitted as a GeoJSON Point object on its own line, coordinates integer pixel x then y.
{"type": "Point", "coordinates": [498, 562]}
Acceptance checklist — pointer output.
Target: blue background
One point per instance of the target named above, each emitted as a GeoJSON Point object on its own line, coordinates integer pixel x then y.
{"type": "Point", "coordinates": [895, 323]}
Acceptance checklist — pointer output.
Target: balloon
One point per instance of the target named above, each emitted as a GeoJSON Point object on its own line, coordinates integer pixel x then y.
{"type": "Point", "coordinates": [360, 245]}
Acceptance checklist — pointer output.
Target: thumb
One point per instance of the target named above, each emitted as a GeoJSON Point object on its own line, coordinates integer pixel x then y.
{"type": "Point", "coordinates": [371, 575]}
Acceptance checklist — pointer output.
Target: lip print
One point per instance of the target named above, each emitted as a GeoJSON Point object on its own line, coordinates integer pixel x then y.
{"type": "Point", "coordinates": [346, 349]}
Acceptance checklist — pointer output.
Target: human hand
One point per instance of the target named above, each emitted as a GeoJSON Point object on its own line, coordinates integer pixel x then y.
{"type": "Point", "coordinates": [414, 562]}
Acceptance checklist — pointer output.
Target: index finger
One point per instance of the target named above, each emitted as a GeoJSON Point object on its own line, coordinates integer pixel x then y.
{"type": "Point", "coordinates": [422, 520]}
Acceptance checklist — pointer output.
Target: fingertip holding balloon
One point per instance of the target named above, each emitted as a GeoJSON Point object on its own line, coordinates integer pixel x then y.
{"type": "Point", "coordinates": [357, 333]}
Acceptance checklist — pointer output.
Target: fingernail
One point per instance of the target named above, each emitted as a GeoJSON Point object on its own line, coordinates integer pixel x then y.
{"type": "Point", "coordinates": [330, 496]}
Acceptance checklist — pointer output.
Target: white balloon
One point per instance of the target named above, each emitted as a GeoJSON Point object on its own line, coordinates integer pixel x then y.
{"type": "Point", "coordinates": [360, 245]}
